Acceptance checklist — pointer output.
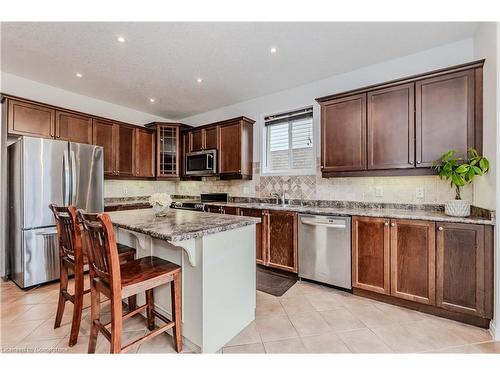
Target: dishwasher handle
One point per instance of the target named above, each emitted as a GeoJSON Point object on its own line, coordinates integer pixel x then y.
{"type": "Point", "coordinates": [317, 223]}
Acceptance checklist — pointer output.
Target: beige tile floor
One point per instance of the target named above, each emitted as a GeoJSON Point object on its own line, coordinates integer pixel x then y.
{"type": "Point", "coordinates": [308, 318]}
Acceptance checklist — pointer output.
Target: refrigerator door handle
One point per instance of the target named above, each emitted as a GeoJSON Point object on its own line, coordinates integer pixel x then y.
{"type": "Point", "coordinates": [73, 177]}
{"type": "Point", "coordinates": [66, 179]}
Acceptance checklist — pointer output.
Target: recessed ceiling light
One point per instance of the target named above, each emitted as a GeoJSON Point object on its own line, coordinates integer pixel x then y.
{"type": "Point", "coordinates": [199, 80]}
{"type": "Point", "coordinates": [121, 39]}
{"type": "Point", "coordinates": [79, 75]}
{"type": "Point", "coordinates": [274, 50]}
{"type": "Point", "coordinates": [152, 100]}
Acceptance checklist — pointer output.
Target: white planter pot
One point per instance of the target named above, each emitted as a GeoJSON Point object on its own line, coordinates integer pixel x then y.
{"type": "Point", "coordinates": [457, 207]}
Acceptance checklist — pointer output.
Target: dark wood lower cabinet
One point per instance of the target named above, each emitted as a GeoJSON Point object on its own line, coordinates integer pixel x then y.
{"type": "Point", "coordinates": [227, 210]}
{"type": "Point", "coordinates": [413, 265]}
{"type": "Point", "coordinates": [464, 268]}
{"type": "Point", "coordinates": [444, 269]}
{"type": "Point", "coordinates": [260, 232]}
{"type": "Point", "coordinates": [370, 254]}
{"type": "Point", "coordinates": [282, 240]}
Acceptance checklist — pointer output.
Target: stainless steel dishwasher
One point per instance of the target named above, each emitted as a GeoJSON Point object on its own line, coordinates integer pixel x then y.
{"type": "Point", "coordinates": [325, 249]}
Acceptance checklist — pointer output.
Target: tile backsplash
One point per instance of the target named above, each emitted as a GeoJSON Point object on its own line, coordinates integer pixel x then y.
{"type": "Point", "coordinates": [132, 188]}
{"type": "Point", "coordinates": [310, 187]}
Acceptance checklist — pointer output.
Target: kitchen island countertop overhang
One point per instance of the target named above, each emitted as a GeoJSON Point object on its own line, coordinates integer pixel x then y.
{"type": "Point", "coordinates": [217, 256]}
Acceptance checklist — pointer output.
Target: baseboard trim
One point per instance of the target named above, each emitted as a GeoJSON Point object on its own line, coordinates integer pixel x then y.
{"type": "Point", "coordinates": [433, 310]}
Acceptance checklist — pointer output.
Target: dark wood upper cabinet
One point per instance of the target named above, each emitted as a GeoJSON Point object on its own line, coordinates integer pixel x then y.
{"type": "Point", "coordinates": [230, 149]}
{"type": "Point", "coordinates": [145, 153]}
{"type": "Point", "coordinates": [206, 138]}
{"type": "Point", "coordinates": [125, 150]}
{"type": "Point", "coordinates": [211, 138]}
{"type": "Point", "coordinates": [25, 118]}
{"type": "Point", "coordinates": [391, 127]}
{"type": "Point", "coordinates": [401, 127]}
{"type": "Point", "coordinates": [260, 232]}
{"type": "Point", "coordinates": [464, 271]}
{"type": "Point", "coordinates": [413, 266]}
{"type": "Point", "coordinates": [282, 240]}
{"type": "Point", "coordinates": [73, 127]}
{"type": "Point", "coordinates": [343, 134]}
{"type": "Point", "coordinates": [444, 115]}
{"type": "Point", "coordinates": [103, 134]}
{"type": "Point", "coordinates": [236, 148]}
{"type": "Point", "coordinates": [370, 254]}
{"type": "Point", "coordinates": [196, 141]}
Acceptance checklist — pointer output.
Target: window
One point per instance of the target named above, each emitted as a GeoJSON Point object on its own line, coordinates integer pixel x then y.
{"type": "Point", "coordinates": [288, 140]}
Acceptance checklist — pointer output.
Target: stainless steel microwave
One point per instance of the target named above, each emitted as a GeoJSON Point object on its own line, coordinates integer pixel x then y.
{"type": "Point", "coordinates": [201, 163]}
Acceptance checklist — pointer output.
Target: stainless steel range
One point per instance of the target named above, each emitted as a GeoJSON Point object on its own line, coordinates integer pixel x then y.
{"type": "Point", "coordinates": [199, 204]}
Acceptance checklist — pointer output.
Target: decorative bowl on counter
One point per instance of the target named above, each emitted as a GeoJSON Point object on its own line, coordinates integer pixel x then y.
{"type": "Point", "coordinates": [161, 203]}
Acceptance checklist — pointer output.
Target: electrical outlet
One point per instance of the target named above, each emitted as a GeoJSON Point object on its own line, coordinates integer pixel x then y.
{"type": "Point", "coordinates": [246, 190]}
{"type": "Point", "coordinates": [379, 191]}
{"type": "Point", "coordinates": [125, 190]}
{"type": "Point", "coordinates": [419, 192]}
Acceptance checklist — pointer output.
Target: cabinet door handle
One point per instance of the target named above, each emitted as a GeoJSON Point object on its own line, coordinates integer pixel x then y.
{"type": "Point", "coordinates": [440, 228]}
{"type": "Point", "coordinates": [386, 224]}
{"type": "Point", "coordinates": [393, 225]}
{"type": "Point", "coordinates": [418, 161]}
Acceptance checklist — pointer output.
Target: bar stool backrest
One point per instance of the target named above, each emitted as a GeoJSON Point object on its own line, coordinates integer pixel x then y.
{"type": "Point", "coordinates": [102, 251]}
{"type": "Point", "coordinates": [68, 232]}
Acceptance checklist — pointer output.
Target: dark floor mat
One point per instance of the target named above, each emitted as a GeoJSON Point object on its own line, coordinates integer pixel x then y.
{"type": "Point", "coordinates": [274, 283]}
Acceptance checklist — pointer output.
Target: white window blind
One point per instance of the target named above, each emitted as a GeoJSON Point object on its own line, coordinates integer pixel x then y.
{"type": "Point", "coordinates": [289, 142]}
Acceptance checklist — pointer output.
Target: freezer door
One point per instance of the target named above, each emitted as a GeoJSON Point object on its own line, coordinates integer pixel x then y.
{"type": "Point", "coordinates": [38, 262]}
{"type": "Point", "coordinates": [41, 180]}
{"type": "Point", "coordinates": [87, 177]}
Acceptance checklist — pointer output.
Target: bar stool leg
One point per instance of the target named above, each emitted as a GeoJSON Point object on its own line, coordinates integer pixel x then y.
{"type": "Point", "coordinates": [175, 286]}
{"type": "Point", "coordinates": [149, 310]}
{"type": "Point", "coordinates": [63, 286]}
{"type": "Point", "coordinates": [77, 307]}
{"type": "Point", "coordinates": [116, 324]}
{"type": "Point", "coordinates": [95, 313]}
{"type": "Point", "coordinates": [132, 303]}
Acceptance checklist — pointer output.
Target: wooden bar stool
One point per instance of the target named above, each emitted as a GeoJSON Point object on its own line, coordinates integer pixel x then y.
{"type": "Point", "coordinates": [72, 257]}
{"type": "Point", "coordinates": [117, 281]}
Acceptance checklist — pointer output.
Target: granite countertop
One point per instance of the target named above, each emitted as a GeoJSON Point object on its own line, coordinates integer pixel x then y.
{"type": "Point", "coordinates": [178, 225]}
{"type": "Point", "coordinates": [126, 201]}
{"type": "Point", "coordinates": [410, 214]}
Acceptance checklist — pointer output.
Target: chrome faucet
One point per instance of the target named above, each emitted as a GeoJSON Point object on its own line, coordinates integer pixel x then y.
{"type": "Point", "coordinates": [278, 198]}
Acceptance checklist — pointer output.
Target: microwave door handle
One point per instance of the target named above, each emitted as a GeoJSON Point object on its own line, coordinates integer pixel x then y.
{"type": "Point", "coordinates": [209, 157]}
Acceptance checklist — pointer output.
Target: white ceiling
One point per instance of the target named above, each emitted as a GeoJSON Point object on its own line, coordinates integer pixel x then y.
{"type": "Point", "coordinates": [163, 60]}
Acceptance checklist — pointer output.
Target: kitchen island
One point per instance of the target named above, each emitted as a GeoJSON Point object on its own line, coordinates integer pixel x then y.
{"type": "Point", "coordinates": [217, 256]}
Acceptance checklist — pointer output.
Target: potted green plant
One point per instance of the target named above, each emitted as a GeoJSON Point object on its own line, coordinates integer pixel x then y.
{"type": "Point", "coordinates": [460, 171]}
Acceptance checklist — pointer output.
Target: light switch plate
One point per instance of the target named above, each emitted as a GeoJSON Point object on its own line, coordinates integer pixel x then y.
{"type": "Point", "coordinates": [419, 192]}
{"type": "Point", "coordinates": [379, 191]}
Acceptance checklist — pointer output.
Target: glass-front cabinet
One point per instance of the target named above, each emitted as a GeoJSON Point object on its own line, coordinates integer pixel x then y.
{"type": "Point", "coordinates": [168, 149]}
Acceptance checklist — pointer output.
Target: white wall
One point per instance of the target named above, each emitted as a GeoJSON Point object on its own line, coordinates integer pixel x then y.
{"type": "Point", "coordinates": [25, 88]}
{"type": "Point", "coordinates": [485, 47]}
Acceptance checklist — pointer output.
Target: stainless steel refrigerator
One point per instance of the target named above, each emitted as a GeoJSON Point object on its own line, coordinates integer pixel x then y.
{"type": "Point", "coordinates": [44, 171]}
